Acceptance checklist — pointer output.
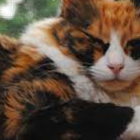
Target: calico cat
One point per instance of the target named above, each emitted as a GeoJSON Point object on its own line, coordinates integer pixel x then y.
{"type": "Point", "coordinates": [58, 79]}
{"type": "Point", "coordinates": [38, 102]}
{"type": "Point", "coordinates": [96, 44]}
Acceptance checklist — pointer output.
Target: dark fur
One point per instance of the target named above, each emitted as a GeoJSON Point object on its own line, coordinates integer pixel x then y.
{"type": "Point", "coordinates": [31, 111]}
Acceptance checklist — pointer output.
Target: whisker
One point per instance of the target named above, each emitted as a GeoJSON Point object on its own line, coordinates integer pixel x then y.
{"type": "Point", "coordinates": [99, 75]}
{"type": "Point", "coordinates": [133, 71]}
{"type": "Point", "coordinates": [97, 72]}
{"type": "Point", "coordinates": [46, 64]}
{"type": "Point", "coordinates": [138, 68]}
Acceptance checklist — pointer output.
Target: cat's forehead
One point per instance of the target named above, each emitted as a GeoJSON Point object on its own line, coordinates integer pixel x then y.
{"type": "Point", "coordinates": [119, 16]}
{"type": "Point", "coordinates": [115, 11]}
{"type": "Point", "coordinates": [100, 17]}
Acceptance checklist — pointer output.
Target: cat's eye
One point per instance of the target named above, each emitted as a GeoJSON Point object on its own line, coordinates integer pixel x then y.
{"type": "Point", "coordinates": [133, 43]}
{"type": "Point", "coordinates": [83, 40]}
{"type": "Point", "coordinates": [133, 48]}
{"type": "Point", "coordinates": [98, 43]}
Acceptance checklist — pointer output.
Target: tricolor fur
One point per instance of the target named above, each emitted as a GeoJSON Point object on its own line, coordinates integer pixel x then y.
{"type": "Point", "coordinates": [99, 42]}
{"type": "Point", "coordinates": [91, 51]}
{"type": "Point", "coordinates": [39, 102]}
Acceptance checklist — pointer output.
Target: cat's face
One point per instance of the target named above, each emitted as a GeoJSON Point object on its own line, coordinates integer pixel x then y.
{"type": "Point", "coordinates": [106, 40]}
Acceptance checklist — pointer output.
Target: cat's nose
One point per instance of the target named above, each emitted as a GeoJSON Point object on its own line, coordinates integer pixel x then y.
{"type": "Point", "coordinates": [116, 68]}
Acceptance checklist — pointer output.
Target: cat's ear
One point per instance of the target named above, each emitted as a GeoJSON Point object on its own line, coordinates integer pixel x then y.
{"type": "Point", "coordinates": [136, 3]}
{"type": "Point", "coordinates": [79, 12]}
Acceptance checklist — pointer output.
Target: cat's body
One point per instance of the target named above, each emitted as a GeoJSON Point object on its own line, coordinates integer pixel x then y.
{"type": "Point", "coordinates": [68, 58]}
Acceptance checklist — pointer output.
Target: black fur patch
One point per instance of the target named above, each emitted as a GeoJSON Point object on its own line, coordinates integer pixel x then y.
{"type": "Point", "coordinates": [86, 56]}
{"type": "Point", "coordinates": [136, 3]}
{"type": "Point", "coordinates": [43, 68]}
{"type": "Point", "coordinates": [135, 51]}
{"type": "Point", "coordinates": [5, 60]}
{"type": "Point", "coordinates": [79, 13]}
{"type": "Point", "coordinates": [90, 121]}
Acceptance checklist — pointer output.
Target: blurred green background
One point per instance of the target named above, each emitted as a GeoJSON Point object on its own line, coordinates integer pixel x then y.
{"type": "Point", "coordinates": [27, 12]}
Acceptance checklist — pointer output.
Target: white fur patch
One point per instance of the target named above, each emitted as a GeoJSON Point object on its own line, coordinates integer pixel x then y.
{"type": "Point", "coordinates": [133, 130]}
{"type": "Point", "coordinates": [115, 54]}
{"type": "Point", "coordinates": [83, 85]}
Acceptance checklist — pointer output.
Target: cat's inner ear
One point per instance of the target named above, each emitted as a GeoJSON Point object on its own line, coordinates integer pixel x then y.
{"type": "Point", "coordinates": [79, 12]}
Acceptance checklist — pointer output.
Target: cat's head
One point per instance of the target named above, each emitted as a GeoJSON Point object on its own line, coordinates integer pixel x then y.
{"type": "Point", "coordinates": [105, 36]}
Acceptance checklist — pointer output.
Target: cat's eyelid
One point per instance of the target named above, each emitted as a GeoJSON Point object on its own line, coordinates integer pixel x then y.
{"type": "Point", "coordinates": [95, 39]}
{"type": "Point", "coordinates": [132, 41]}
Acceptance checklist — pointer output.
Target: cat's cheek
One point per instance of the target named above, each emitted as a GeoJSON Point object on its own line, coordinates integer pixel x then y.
{"type": "Point", "coordinates": [133, 129]}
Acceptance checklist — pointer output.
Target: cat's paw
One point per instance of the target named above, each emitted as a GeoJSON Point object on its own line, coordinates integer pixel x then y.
{"type": "Point", "coordinates": [133, 129]}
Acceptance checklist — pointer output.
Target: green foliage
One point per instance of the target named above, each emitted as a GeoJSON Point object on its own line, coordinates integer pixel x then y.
{"type": "Point", "coordinates": [2, 1]}
{"type": "Point", "coordinates": [28, 11]}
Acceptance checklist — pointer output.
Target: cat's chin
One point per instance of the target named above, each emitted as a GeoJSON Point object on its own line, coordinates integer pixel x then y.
{"type": "Point", "coordinates": [114, 85]}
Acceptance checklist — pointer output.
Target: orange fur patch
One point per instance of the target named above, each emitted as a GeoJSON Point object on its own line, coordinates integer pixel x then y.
{"type": "Point", "coordinates": [120, 16]}
{"type": "Point", "coordinates": [58, 87]}
{"type": "Point", "coordinates": [9, 43]}
{"type": "Point", "coordinates": [24, 59]}
{"type": "Point", "coordinates": [26, 92]}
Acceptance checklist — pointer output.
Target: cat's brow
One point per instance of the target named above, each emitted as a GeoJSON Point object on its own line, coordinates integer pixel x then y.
{"type": "Point", "coordinates": [134, 42]}
{"type": "Point", "coordinates": [94, 39]}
